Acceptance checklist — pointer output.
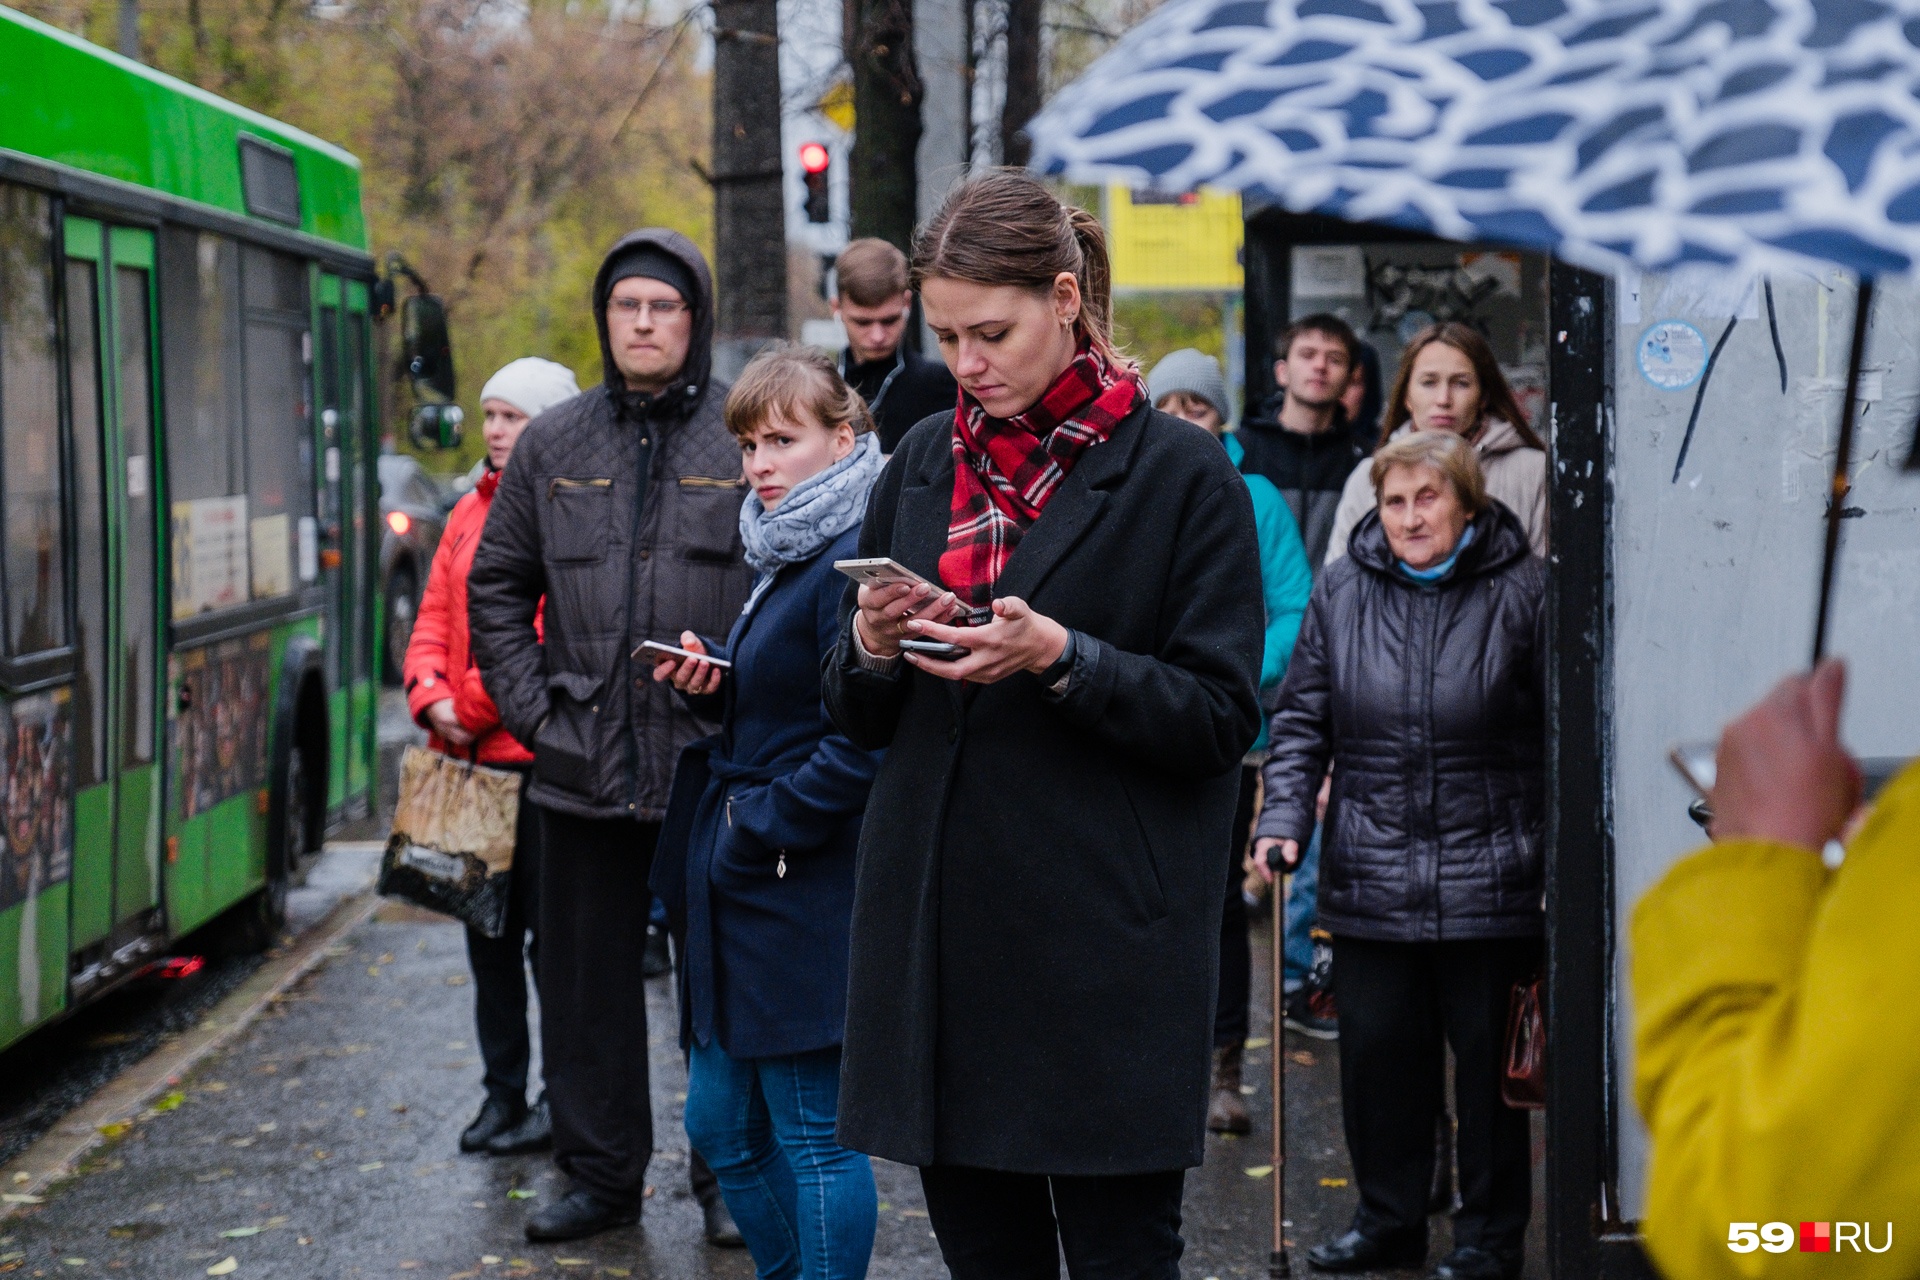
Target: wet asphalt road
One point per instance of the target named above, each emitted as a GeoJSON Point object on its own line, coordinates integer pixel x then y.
{"type": "Point", "coordinates": [321, 1143]}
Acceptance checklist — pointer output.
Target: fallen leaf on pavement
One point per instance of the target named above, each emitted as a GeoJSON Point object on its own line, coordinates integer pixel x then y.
{"type": "Point", "coordinates": [913, 1213]}
{"type": "Point", "coordinates": [74, 1262]}
{"type": "Point", "coordinates": [113, 1130]}
{"type": "Point", "coordinates": [1259, 1170]}
{"type": "Point", "coordinates": [490, 1259]}
{"type": "Point", "coordinates": [23, 1177]}
{"type": "Point", "coordinates": [171, 1102]}
{"type": "Point", "coordinates": [1302, 1057]}
{"type": "Point", "coordinates": [214, 1086]}
{"type": "Point", "coordinates": [225, 1267]}
{"type": "Point", "coordinates": [457, 980]}
{"type": "Point", "coordinates": [359, 1113]}
{"type": "Point", "coordinates": [1333, 1182]}
{"type": "Point", "coordinates": [387, 958]}
{"type": "Point", "coordinates": [373, 971]}
{"type": "Point", "coordinates": [19, 1197]}
{"type": "Point", "coordinates": [617, 1271]}
{"type": "Point", "coordinates": [371, 1165]}
{"type": "Point", "coordinates": [519, 1194]}
{"type": "Point", "coordinates": [1258, 1042]}
{"type": "Point", "coordinates": [239, 1233]}
{"type": "Point", "coordinates": [239, 1142]}
{"type": "Point", "coordinates": [268, 1127]}
{"type": "Point", "coordinates": [572, 1262]}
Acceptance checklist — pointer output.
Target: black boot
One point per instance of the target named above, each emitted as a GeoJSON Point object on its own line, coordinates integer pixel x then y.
{"type": "Point", "coordinates": [1476, 1264]}
{"type": "Point", "coordinates": [720, 1228]}
{"type": "Point", "coordinates": [533, 1133]}
{"type": "Point", "coordinates": [499, 1113]}
{"type": "Point", "coordinates": [577, 1215]}
{"type": "Point", "coordinates": [1357, 1251]}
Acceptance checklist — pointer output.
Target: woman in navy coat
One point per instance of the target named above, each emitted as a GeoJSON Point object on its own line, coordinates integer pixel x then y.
{"type": "Point", "coordinates": [756, 856]}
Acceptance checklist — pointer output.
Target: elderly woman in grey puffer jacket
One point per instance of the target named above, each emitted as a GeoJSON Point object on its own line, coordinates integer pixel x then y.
{"type": "Point", "coordinates": [1418, 678]}
{"type": "Point", "coordinates": [1449, 380]}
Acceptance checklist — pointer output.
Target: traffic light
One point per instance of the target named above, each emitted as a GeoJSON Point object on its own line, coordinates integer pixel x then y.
{"type": "Point", "coordinates": [815, 160]}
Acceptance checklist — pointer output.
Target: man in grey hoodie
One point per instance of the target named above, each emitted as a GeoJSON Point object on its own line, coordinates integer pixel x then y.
{"type": "Point", "coordinates": [621, 509]}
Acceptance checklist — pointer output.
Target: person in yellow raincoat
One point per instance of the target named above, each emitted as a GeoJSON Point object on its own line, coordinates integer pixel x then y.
{"type": "Point", "coordinates": [1778, 1014]}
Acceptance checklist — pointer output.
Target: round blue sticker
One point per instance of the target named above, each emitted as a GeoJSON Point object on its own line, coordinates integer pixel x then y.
{"type": "Point", "coordinates": [1672, 355]}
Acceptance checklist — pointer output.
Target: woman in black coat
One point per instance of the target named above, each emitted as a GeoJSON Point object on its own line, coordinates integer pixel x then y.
{"type": "Point", "coordinates": [1418, 679]}
{"type": "Point", "coordinates": [1035, 927]}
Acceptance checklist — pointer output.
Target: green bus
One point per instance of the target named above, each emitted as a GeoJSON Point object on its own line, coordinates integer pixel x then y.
{"type": "Point", "coordinates": [187, 461]}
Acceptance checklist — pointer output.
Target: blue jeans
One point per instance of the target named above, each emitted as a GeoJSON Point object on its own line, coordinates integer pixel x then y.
{"type": "Point", "coordinates": [1302, 900]}
{"type": "Point", "coordinates": [805, 1204]}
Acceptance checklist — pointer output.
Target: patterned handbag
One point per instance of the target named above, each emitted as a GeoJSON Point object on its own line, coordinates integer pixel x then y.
{"type": "Point", "coordinates": [1523, 1082]}
{"type": "Point", "coordinates": [451, 849]}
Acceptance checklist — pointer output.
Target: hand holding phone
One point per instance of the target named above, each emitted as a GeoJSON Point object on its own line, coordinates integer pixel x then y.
{"type": "Point", "coordinates": [890, 595]}
{"type": "Point", "coordinates": [939, 650]}
{"type": "Point", "coordinates": [689, 667]}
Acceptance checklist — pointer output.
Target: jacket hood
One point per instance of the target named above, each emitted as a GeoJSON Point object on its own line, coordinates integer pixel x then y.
{"type": "Point", "coordinates": [685, 391]}
{"type": "Point", "coordinates": [1499, 542]}
{"type": "Point", "coordinates": [1497, 436]}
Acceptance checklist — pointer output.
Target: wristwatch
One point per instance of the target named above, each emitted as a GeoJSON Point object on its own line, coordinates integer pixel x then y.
{"type": "Point", "coordinates": [1054, 679]}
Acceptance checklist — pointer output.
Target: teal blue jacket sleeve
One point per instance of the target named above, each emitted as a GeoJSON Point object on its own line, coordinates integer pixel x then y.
{"type": "Point", "coordinates": [1286, 578]}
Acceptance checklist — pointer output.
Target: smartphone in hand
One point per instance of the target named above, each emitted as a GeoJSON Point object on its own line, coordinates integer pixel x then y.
{"type": "Point", "coordinates": [656, 650]}
{"type": "Point", "coordinates": [939, 650]}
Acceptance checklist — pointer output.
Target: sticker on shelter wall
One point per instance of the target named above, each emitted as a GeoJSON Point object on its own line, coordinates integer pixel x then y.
{"type": "Point", "coordinates": [36, 847]}
{"type": "Point", "coordinates": [1672, 355]}
{"type": "Point", "coordinates": [220, 733]}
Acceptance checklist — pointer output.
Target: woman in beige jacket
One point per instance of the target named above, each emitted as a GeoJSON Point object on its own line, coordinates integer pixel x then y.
{"type": "Point", "coordinates": [1450, 381]}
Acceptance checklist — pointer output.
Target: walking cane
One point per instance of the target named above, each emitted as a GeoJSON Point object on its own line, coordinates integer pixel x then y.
{"type": "Point", "coordinates": [1277, 1265]}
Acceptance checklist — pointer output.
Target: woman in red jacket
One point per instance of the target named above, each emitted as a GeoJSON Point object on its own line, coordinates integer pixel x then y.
{"type": "Point", "coordinates": [445, 695]}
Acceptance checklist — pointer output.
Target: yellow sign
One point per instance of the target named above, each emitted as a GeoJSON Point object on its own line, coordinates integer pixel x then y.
{"type": "Point", "coordinates": [837, 105]}
{"type": "Point", "coordinates": [1184, 241]}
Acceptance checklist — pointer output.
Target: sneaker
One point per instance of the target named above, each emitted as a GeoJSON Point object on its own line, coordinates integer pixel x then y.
{"type": "Point", "coordinates": [1311, 1012]}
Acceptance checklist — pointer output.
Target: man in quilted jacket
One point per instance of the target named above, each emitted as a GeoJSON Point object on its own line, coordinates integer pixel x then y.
{"type": "Point", "coordinates": [621, 507]}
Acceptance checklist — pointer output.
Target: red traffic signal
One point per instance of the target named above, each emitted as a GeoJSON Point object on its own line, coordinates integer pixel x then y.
{"type": "Point", "coordinates": [814, 157]}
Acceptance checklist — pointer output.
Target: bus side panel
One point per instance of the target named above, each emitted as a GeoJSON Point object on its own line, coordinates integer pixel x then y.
{"type": "Point", "coordinates": [237, 849]}
{"type": "Point", "coordinates": [220, 751]}
{"type": "Point", "coordinates": [339, 719]}
{"type": "Point", "coordinates": [33, 939]}
{"type": "Point", "coordinates": [92, 864]}
{"type": "Point", "coordinates": [187, 877]}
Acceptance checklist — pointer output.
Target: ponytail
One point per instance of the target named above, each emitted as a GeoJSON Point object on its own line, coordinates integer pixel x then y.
{"type": "Point", "coordinates": [1004, 228]}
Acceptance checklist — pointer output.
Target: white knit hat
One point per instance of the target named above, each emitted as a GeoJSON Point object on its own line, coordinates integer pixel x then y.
{"type": "Point", "coordinates": [531, 385]}
{"type": "Point", "coordinates": [1193, 373]}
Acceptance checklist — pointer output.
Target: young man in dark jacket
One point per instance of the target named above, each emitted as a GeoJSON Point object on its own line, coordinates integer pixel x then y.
{"type": "Point", "coordinates": [874, 305]}
{"type": "Point", "coordinates": [622, 509]}
{"type": "Point", "coordinates": [1300, 437]}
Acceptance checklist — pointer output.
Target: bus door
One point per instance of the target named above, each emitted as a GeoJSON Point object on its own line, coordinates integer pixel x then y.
{"type": "Point", "coordinates": [342, 386]}
{"type": "Point", "coordinates": [110, 308]}
{"type": "Point", "coordinates": [332, 508]}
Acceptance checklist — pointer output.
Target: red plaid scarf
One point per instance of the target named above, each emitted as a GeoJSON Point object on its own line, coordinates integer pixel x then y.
{"type": "Point", "coordinates": [1005, 470]}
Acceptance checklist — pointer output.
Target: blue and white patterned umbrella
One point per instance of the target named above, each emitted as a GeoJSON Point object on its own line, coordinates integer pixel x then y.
{"type": "Point", "coordinates": [1755, 134]}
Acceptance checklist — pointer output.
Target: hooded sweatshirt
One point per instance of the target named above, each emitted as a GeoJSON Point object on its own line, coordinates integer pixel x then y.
{"type": "Point", "coordinates": [1309, 470]}
{"type": "Point", "coordinates": [1516, 474]}
{"type": "Point", "coordinates": [622, 508]}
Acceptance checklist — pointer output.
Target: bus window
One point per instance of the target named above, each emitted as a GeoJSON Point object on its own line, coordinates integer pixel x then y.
{"type": "Point", "coordinates": [206, 473]}
{"type": "Point", "coordinates": [90, 520]}
{"type": "Point", "coordinates": [35, 560]}
{"type": "Point", "coordinates": [279, 444]}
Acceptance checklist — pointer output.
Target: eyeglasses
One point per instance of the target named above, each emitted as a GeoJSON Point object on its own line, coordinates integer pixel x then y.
{"type": "Point", "coordinates": [633, 308]}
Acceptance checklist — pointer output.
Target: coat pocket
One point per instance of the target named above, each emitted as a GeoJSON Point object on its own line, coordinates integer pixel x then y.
{"type": "Point", "coordinates": [564, 749]}
{"type": "Point", "coordinates": [579, 519]}
{"type": "Point", "coordinates": [1145, 867]}
{"type": "Point", "coordinates": [708, 520]}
